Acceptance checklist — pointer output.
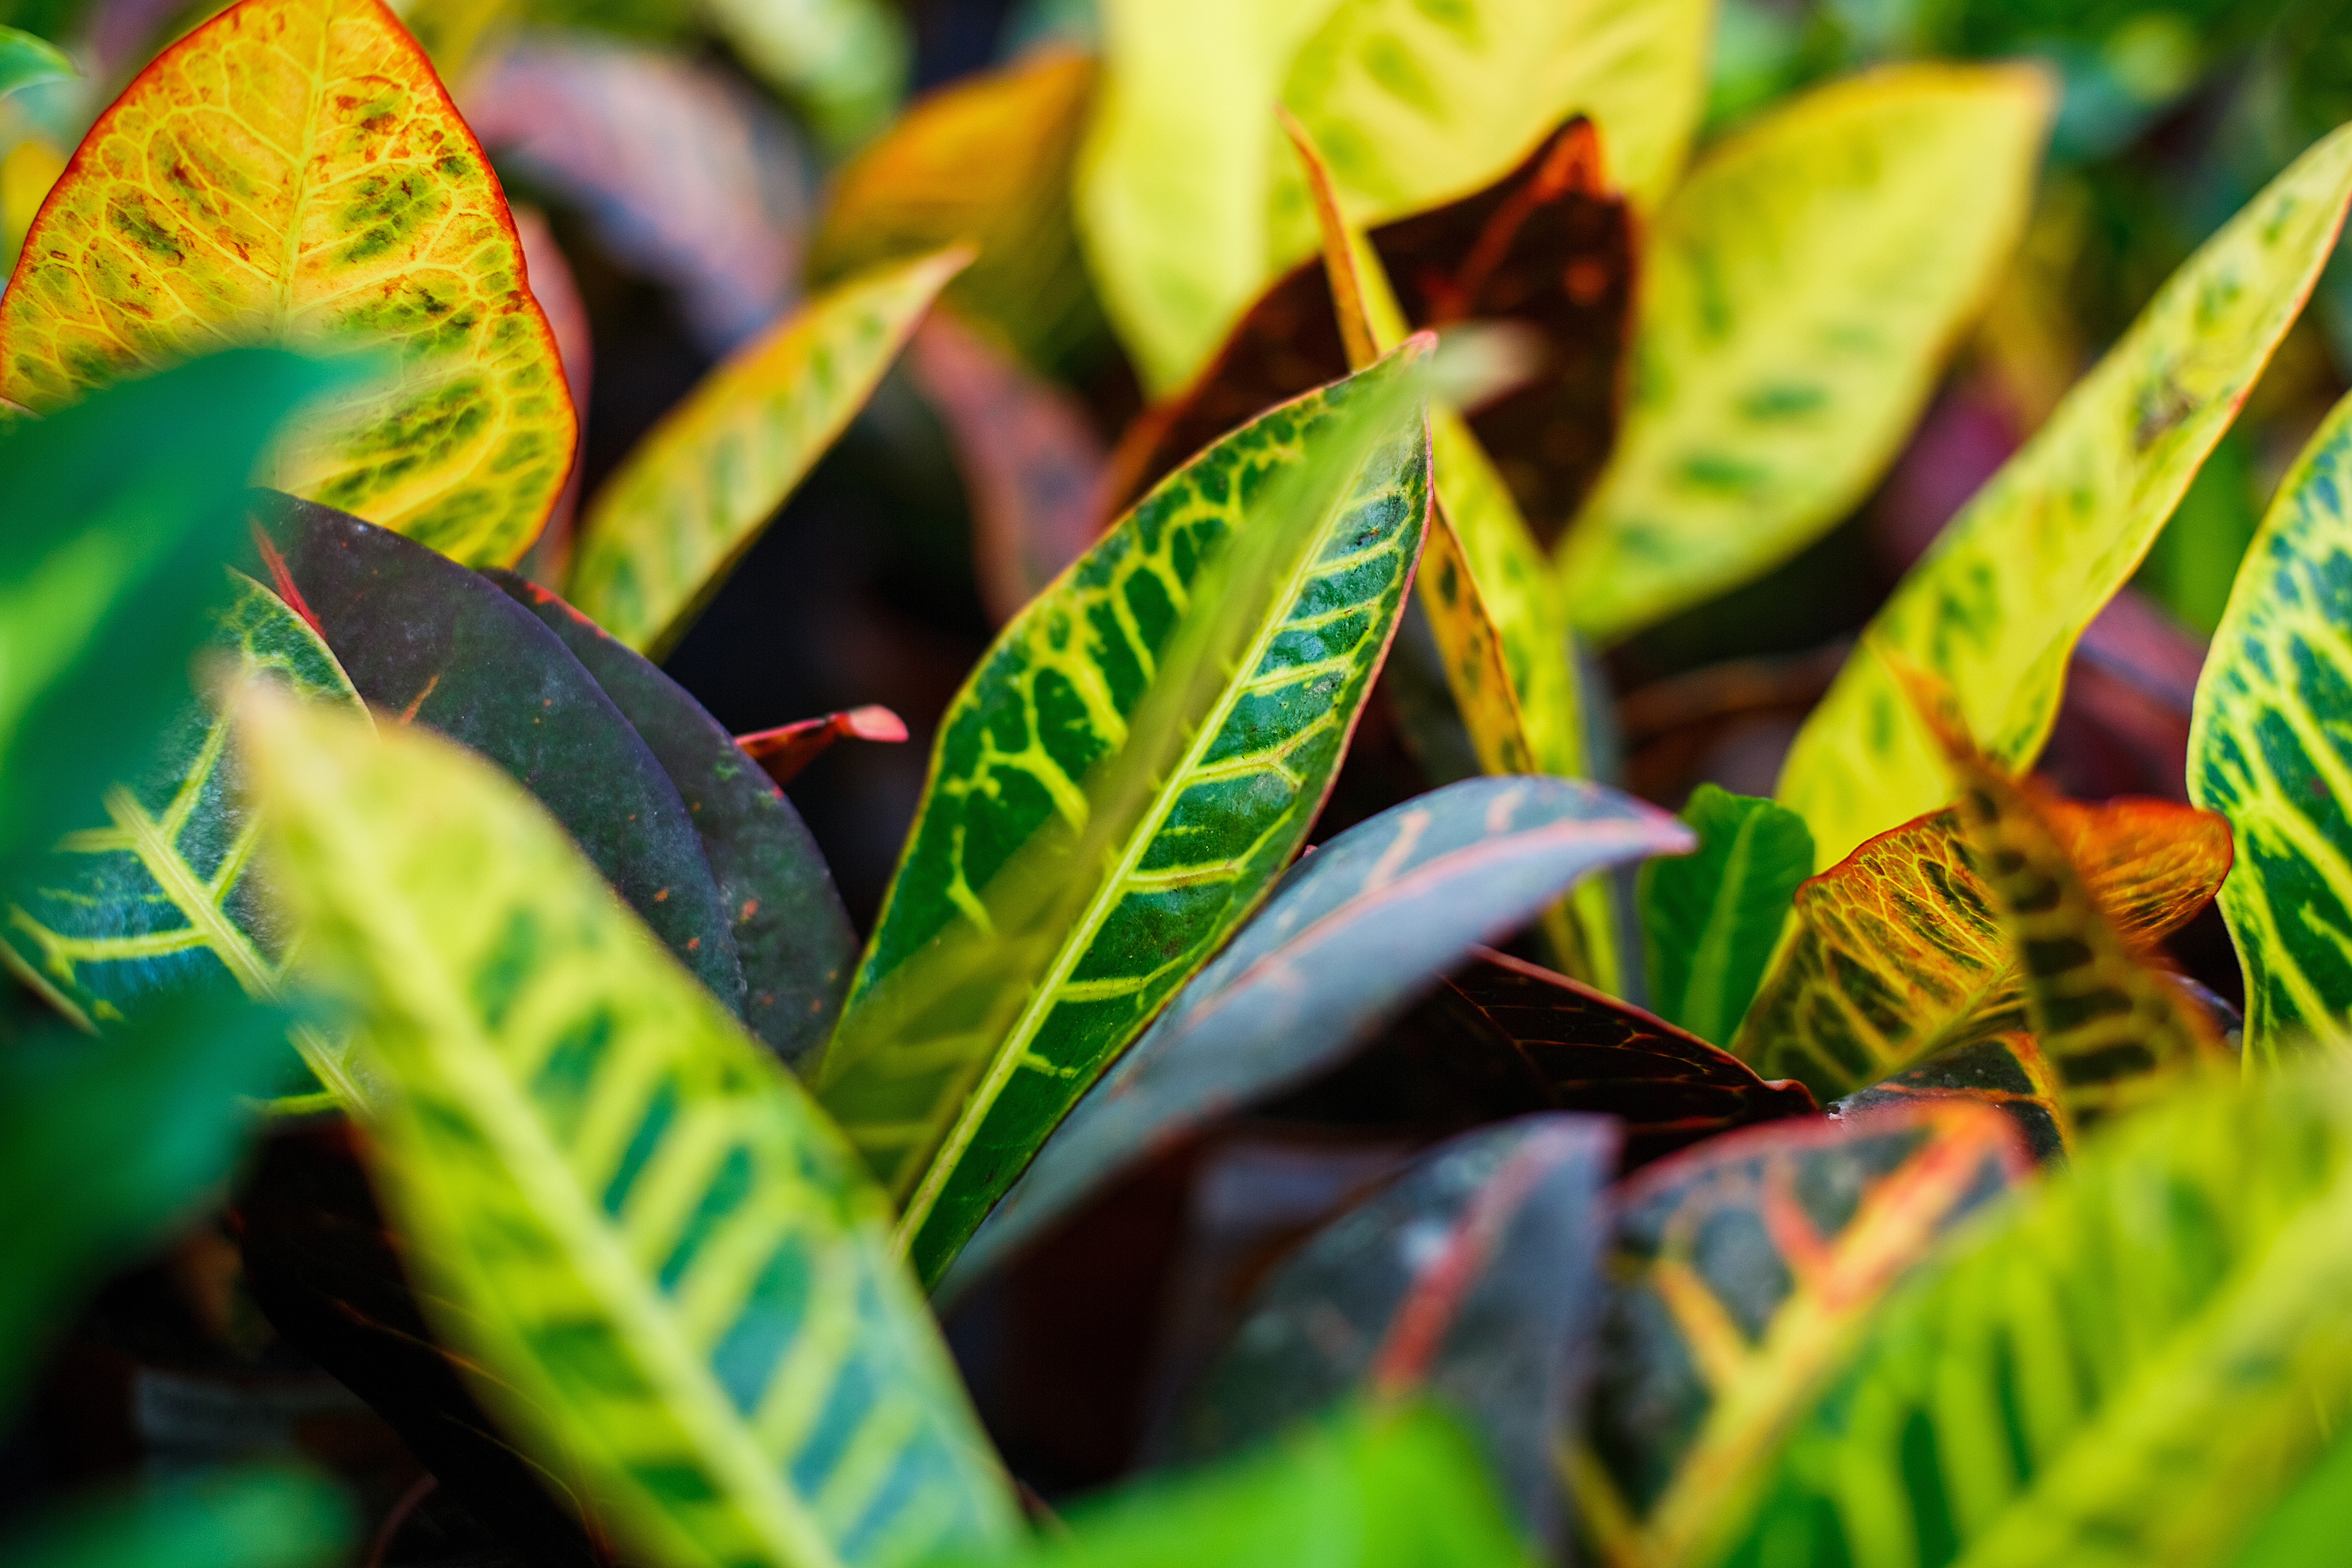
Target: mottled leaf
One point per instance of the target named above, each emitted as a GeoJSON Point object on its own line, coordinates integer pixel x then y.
{"type": "Point", "coordinates": [1742, 1276]}
{"type": "Point", "coordinates": [1472, 1280]}
{"type": "Point", "coordinates": [1996, 606]}
{"type": "Point", "coordinates": [985, 160]}
{"type": "Point", "coordinates": [1033, 466]}
{"type": "Point", "coordinates": [785, 750]}
{"type": "Point", "coordinates": [1354, 934]}
{"type": "Point", "coordinates": [425, 641]}
{"type": "Point", "coordinates": [1367, 1487]}
{"type": "Point", "coordinates": [683, 173]}
{"type": "Point", "coordinates": [2130, 1368]}
{"type": "Point", "coordinates": [292, 172]}
{"type": "Point", "coordinates": [28, 61]}
{"type": "Point", "coordinates": [253, 1516]}
{"type": "Point", "coordinates": [162, 896]}
{"type": "Point", "coordinates": [332, 1279]}
{"type": "Point", "coordinates": [2113, 1027]}
{"type": "Point", "coordinates": [1710, 920]}
{"type": "Point", "coordinates": [1798, 294]}
{"type": "Point", "coordinates": [2263, 750]}
{"type": "Point", "coordinates": [2008, 1072]}
{"type": "Point", "coordinates": [792, 937]}
{"type": "Point", "coordinates": [674, 1267]}
{"type": "Point", "coordinates": [1118, 785]}
{"type": "Point", "coordinates": [665, 530]}
{"type": "Point", "coordinates": [1899, 955]}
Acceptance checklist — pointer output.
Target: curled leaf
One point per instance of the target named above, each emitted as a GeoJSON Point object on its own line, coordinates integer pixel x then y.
{"type": "Point", "coordinates": [785, 750]}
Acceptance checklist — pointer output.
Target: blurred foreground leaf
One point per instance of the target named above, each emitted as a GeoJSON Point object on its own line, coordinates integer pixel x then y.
{"type": "Point", "coordinates": [255, 1517]}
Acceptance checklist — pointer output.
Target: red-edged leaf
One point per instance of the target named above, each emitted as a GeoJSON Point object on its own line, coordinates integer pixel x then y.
{"type": "Point", "coordinates": [785, 750]}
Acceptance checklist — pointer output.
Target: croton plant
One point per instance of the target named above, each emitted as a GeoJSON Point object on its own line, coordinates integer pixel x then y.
{"type": "Point", "coordinates": [1849, 1176]}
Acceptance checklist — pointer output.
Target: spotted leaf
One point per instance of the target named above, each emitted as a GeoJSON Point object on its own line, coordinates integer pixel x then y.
{"type": "Point", "coordinates": [293, 173]}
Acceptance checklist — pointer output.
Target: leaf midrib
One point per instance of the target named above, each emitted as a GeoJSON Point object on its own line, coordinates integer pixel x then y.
{"type": "Point", "coordinates": [291, 255]}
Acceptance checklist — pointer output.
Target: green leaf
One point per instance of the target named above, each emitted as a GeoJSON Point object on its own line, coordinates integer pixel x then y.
{"type": "Point", "coordinates": [1798, 295]}
{"type": "Point", "coordinates": [2306, 1530]}
{"type": "Point", "coordinates": [1744, 1274]}
{"type": "Point", "coordinates": [1710, 920]}
{"type": "Point", "coordinates": [666, 529]}
{"type": "Point", "coordinates": [2263, 752]}
{"type": "Point", "coordinates": [671, 1264]}
{"type": "Point", "coordinates": [2131, 1367]}
{"type": "Point", "coordinates": [1118, 785]}
{"type": "Point", "coordinates": [844, 62]}
{"type": "Point", "coordinates": [106, 1144]}
{"type": "Point", "coordinates": [1897, 956]}
{"type": "Point", "coordinates": [1996, 606]}
{"type": "Point", "coordinates": [28, 61]}
{"type": "Point", "coordinates": [125, 507]}
{"type": "Point", "coordinates": [1350, 938]}
{"type": "Point", "coordinates": [428, 642]}
{"type": "Point", "coordinates": [252, 1517]}
{"type": "Point", "coordinates": [1472, 1280]}
{"type": "Point", "coordinates": [163, 896]}
{"type": "Point", "coordinates": [791, 935]}
{"type": "Point", "coordinates": [1363, 1487]}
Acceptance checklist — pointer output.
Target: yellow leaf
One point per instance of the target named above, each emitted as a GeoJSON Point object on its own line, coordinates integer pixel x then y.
{"type": "Point", "coordinates": [674, 518]}
{"type": "Point", "coordinates": [292, 173]}
{"type": "Point", "coordinates": [1997, 605]}
{"type": "Point", "coordinates": [1798, 300]}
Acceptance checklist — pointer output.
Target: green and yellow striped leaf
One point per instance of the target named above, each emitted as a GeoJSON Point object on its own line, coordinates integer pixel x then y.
{"type": "Point", "coordinates": [1117, 786]}
{"type": "Point", "coordinates": [1710, 920]}
{"type": "Point", "coordinates": [1898, 954]}
{"type": "Point", "coordinates": [2132, 1366]}
{"type": "Point", "coordinates": [1996, 606]}
{"type": "Point", "coordinates": [163, 896]}
{"type": "Point", "coordinates": [1798, 295]}
{"type": "Point", "coordinates": [293, 173]}
{"type": "Point", "coordinates": [1744, 1274]}
{"type": "Point", "coordinates": [2266, 750]}
{"type": "Point", "coordinates": [665, 530]}
{"type": "Point", "coordinates": [675, 1271]}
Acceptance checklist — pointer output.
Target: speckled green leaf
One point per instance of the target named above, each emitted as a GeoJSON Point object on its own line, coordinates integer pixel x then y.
{"type": "Point", "coordinates": [1996, 606]}
{"type": "Point", "coordinates": [2267, 749]}
{"type": "Point", "coordinates": [1709, 919]}
{"type": "Point", "coordinates": [1117, 786]}
{"type": "Point", "coordinates": [674, 1269]}
{"type": "Point", "coordinates": [163, 896]}
{"type": "Point", "coordinates": [2127, 1368]}
{"type": "Point", "coordinates": [1799, 293]}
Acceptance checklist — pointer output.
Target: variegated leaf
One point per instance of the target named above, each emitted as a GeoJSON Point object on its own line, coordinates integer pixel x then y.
{"type": "Point", "coordinates": [292, 172]}
{"type": "Point", "coordinates": [2266, 751]}
{"type": "Point", "coordinates": [674, 1269]}
{"type": "Point", "coordinates": [2007, 1071]}
{"type": "Point", "coordinates": [1798, 294]}
{"type": "Point", "coordinates": [1117, 788]}
{"type": "Point", "coordinates": [1996, 606]}
{"type": "Point", "coordinates": [664, 530]}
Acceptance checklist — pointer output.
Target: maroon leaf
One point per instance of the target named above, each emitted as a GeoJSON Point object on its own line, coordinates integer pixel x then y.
{"type": "Point", "coordinates": [787, 749]}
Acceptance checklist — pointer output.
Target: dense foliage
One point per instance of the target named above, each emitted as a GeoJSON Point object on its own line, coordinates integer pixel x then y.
{"type": "Point", "coordinates": [1302, 1094]}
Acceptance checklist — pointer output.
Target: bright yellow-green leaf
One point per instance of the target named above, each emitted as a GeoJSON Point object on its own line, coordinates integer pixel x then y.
{"type": "Point", "coordinates": [292, 173]}
{"type": "Point", "coordinates": [666, 528]}
{"type": "Point", "coordinates": [1798, 298]}
{"type": "Point", "coordinates": [1997, 605]}
{"type": "Point", "coordinates": [674, 1272]}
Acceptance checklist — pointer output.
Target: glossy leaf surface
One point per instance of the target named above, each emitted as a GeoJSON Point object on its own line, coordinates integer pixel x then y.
{"type": "Point", "coordinates": [1362, 1488]}
{"type": "Point", "coordinates": [161, 896]}
{"type": "Point", "coordinates": [258, 1516]}
{"type": "Point", "coordinates": [1710, 920]}
{"type": "Point", "coordinates": [665, 530]}
{"type": "Point", "coordinates": [2007, 1071]}
{"type": "Point", "coordinates": [1472, 1280]}
{"type": "Point", "coordinates": [674, 1266]}
{"type": "Point", "coordinates": [2263, 752]}
{"type": "Point", "coordinates": [1354, 934]}
{"type": "Point", "coordinates": [986, 159]}
{"type": "Point", "coordinates": [28, 61]}
{"type": "Point", "coordinates": [1743, 1274]}
{"type": "Point", "coordinates": [791, 935]}
{"type": "Point", "coordinates": [193, 216]}
{"type": "Point", "coordinates": [2131, 1369]}
{"type": "Point", "coordinates": [1798, 294]}
{"type": "Point", "coordinates": [1996, 606]}
{"type": "Point", "coordinates": [426, 642]}
{"type": "Point", "coordinates": [1118, 785]}
{"type": "Point", "coordinates": [1899, 953]}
